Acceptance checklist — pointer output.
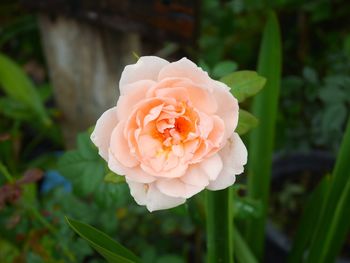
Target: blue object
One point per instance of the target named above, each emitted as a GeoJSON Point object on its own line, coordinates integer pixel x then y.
{"type": "Point", "coordinates": [53, 179]}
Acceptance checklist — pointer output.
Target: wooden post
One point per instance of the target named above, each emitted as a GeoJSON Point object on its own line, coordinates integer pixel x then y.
{"type": "Point", "coordinates": [85, 63]}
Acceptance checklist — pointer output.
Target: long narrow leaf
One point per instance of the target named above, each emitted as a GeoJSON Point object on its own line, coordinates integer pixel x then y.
{"type": "Point", "coordinates": [308, 221]}
{"type": "Point", "coordinates": [335, 218]}
{"type": "Point", "coordinates": [112, 251]}
{"type": "Point", "coordinates": [18, 86]}
{"type": "Point", "coordinates": [242, 251]}
{"type": "Point", "coordinates": [261, 141]}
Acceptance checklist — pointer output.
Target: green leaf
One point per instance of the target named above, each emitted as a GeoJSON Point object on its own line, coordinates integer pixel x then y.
{"type": "Point", "coordinates": [308, 221]}
{"type": "Point", "coordinates": [245, 207]}
{"type": "Point", "coordinates": [15, 110]}
{"type": "Point", "coordinates": [18, 86]}
{"type": "Point", "coordinates": [111, 250]}
{"type": "Point", "coordinates": [85, 146]}
{"type": "Point", "coordinates": [85, 174]}
{"type": "Point", "coordinates": [261, 141]}
{"type": "Point", "coordinates": [243, 253]}
{"type": "Point", "coordinates": [170, 259]}
{"type": "Point", "coordinates": [204, 65]}
{"type": "Point", "coordinates": [334, 117]}
{"type": "Point", "coordinates": [223, 68]}
{"type": "Point", "coordinates": [87, 170]}
{"type": "Point", "coordinates": [246, 122]}
{"type": "Point", "coordinates": [334, 224]}
{"type": "Point", "coordinates": [114, 178]}
{"type": "Point", "coordinates": [244, 84]}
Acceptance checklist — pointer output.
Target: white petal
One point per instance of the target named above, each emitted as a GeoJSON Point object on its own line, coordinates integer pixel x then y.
{"type": "Point", "coordinates": [177, 188]}
{"type": "Point", "coordinates": [185, 68]}
{"type": "Point", "coordinates": [195, 176]}
{"type": "Point", "coordinates": [227, 109]}
{"type": "Point", "coordinates": [149, 195]}
{"type": "Point", "coordinates": [146, 68]}
{"type": "Point", "coordinates": [159, 201]}
{"type": "Point", "coordinates": [234, 156]}
{"type": "Point", "coordinates": [114, 165]}
{"type": "Point", "coordinates": [138, 191]}
{"type": "Point", "coordinates": [119, 147]}
{"type": "Point", "coordinates": [103, 130]}
{"type": "Point", "coordinates": [212, 166]}
{"type": "Point", "coordinates": [136, 174]}
{"type": "Point", "coordinates": [136, 93]}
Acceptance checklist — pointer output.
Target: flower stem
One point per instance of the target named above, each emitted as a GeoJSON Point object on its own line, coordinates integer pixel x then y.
{"type": "Point", "coordinates": [6, 173]}
{"type": "Point", "coordinates": [219, 226]}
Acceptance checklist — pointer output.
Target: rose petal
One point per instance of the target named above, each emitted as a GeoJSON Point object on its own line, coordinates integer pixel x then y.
{"type": "Point", "coordinates": [159, 201]}
{"type": "Point", "coordinates": [184, 68]}
{"type": "Point", "coordinates": [136, 92]}
{"type": "Point", "coordinates": [146, 68]}
{"type": "Point", "coordinates": [114, 165]}
{"type": "Point", "coordinates": [149, 195]}
{"type": "Point", "coordinates": [138, 191]}
{"type": "Point", "coordinates": [119, 147]}
{"type": "Point", "coordinates": [178, 188]}
{"type": "Point", "coordinates": [136, 174]}
{"type": "Point", "coordinates": [212, 166]}
{"type": "Point", "coordinates": [153, 114]}
{"type": "Point", "coordinates": [103, 130]}
{"type": "Point", "coordinates": [216, 135]}
{"type": "Point", "coordinates": [178, 93]}
{"type": "Point", "coordinates": [203, 99]}
{"type": "Point", "coordinates": [234, 156]}
{"type": "Point", "coordinates": [205, 124]}
{"type": "Point", "coordinates": [195, 176]}
{"type": "Point", "coordinates": [178, 171]}
{"type": "Point", "coordinates": [148, 146]}
{"type": "Point", "coordinates": [227, 110]}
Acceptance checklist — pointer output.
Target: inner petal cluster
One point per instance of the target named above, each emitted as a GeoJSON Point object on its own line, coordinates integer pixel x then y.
{"type": "Point", "coordinates": [169, 135]}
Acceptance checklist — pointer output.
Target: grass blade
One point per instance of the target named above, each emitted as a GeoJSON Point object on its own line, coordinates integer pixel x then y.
{"type": "Point", "coordinates": [16, 84]}
{"type": "Point", "coordinates": [307, 223]}
{"type": "Point", "coordinates": [335, 217]}
{"type": "Point", "coordinates": [112, 251]}
{"type": "Point", "coordinates": [261, 141]}
{"type": "Point", "coordinates": [242, 251]}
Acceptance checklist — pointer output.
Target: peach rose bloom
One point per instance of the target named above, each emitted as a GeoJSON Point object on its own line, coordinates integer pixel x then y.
{"type": "Point", "coordinates": [172, 133]}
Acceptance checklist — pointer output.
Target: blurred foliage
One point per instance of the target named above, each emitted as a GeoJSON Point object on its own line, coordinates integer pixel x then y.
{"type": "Point", "coordinates": [314, 106]}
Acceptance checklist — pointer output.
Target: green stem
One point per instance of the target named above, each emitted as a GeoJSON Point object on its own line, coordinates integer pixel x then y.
{"type": "Point", "coordinates": [219, 226]}
{"type": "Point", "coordinates": [6, 173]}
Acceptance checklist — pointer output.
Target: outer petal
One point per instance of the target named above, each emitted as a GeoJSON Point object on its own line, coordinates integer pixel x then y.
{"type": "Point", "coordinates": [146, 68]}
{"type": "Point", "coordinates": [136, 174]}
{"type": "Point", "coordinates": [227, 110]}
{"type": "Point", "coordinates": [149, 195]}
{"type": "Point", "coordinates": [159, 201]}
{"type": "Point", "coordinates": [114, 165]}
{"type": "Point", "coordinates": [103, 130]}
{"type": "Point", "coordinates": [119, 147]}
{"type": "Point", "coordinates": [138, 191]}
{"type": "Point", "coordinates": [185, 68]}
{"type": "Point", "coordinates": [234, 156]}
{"type": "Point", "coordinates": [212, 166]}
{"type": "Point", "coordinates": [195, 176]}
{"type": "Point", "coordinates": [177, 188]}
{"type": "Point", "coordinates": [136, 92]}
{"type": "Point", "coordinates": [178, 171]}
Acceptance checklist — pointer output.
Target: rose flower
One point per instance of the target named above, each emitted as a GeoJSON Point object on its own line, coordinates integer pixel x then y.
{"type": "Point", "coordinates": [172, 133]}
